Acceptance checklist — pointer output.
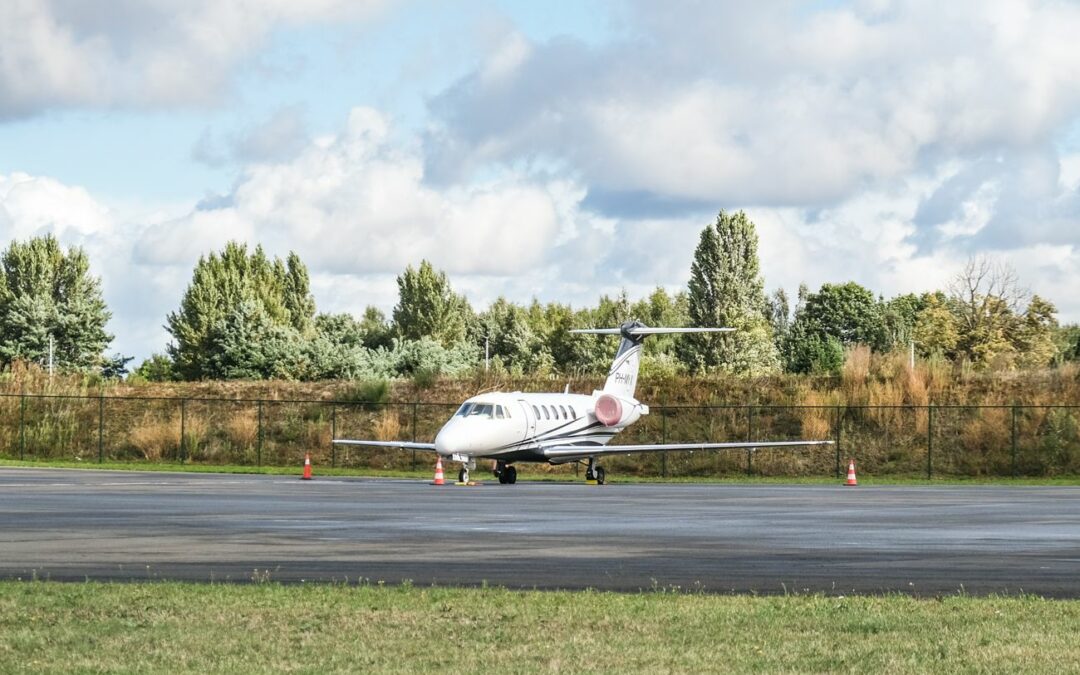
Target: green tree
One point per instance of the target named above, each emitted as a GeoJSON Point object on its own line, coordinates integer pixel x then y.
{"type": "Point", "coordinates": [507, 332]}
{"type": "Point", "coordinates": [156, 368]}
{"type": "Point", "coordinates": [340, 329]}
{"type": "Point", "coordinates": [937, 330]}
{"type": "Point", "coordinates": [813, 352]}
{"type": "Point", "coordinates": [46, 293]}
{"type": "Point", "coordinates": [1034, 337]}
{"type": "Point", "coordinates": [377, 331]}
{"type": "Point", "coordinates": [242, 291]}
{"type": "Point", "coordinates": [115, 367]}
{"type": "Point", "coordinates": [779, 310]}
{"type": "Point", "coordinates": [900, 316]}
{"type": "Point", "coordinates": [296, 293]}
{"type": "Point", "coordinates": [551, 323]}
{"type": "Point", "coordinates": [1067, 339]}
{"type": "Point", "coordinates": [248, 344]}
{"type": "Point", "coordinates": [428, 307]}
{"type": "Point", "coordinates": [986, 298]}
{"type": "Point", "coordinates": [726, 289]}
{"type": "Point", "coordinates": [847, 312]}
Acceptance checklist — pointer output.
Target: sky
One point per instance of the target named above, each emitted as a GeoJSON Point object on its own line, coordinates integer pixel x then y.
{"type": "Point", "coordinates": [557, 150]}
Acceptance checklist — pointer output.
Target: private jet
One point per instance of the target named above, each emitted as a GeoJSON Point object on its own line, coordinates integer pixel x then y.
{"type": "Point", "coordinates": [560, 428]}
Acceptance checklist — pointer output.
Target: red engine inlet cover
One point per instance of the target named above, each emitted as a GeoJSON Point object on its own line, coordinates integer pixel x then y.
{"type": "Point", "coordinates": [608, 410]}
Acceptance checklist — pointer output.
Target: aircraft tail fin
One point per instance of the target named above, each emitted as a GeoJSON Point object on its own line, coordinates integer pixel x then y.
{"type": "Point", "coordinates": [622, 378]}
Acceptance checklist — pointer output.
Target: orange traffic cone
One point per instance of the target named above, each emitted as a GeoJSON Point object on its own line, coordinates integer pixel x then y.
{"type": "Point", "coordinates": [851, 473]}
{"type": "Point", "coordinates": [439, 479]}
{"type": "Point", "coordinates": [307, 467]}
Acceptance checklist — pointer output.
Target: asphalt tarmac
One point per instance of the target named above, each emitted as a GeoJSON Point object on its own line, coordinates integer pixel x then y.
{"type": "Point", "coordinates": [76, 525]}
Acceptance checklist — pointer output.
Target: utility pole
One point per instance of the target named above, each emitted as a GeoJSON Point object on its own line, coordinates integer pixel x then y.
{"type": "Point", "coordinates": [50, 356]}
{"type": "Point", "coordinates": [487, 354]}
{"type": "Point", "coordinates": [913, 355]}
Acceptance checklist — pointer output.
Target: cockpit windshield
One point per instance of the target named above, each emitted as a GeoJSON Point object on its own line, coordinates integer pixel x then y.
{"type": "Point", "coordinates": [482, 410]}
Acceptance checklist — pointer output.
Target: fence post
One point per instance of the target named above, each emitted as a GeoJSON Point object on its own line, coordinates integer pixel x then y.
{"type": "Point", "coordinates": [836, 438]}
{"type": "Point", "coordinates": [415, 405]}
{"type": "Point", "coordinates": [183, 428]}
{"type": "Point", "coordinates": [101, 429]}
{"type": "Point", "coordinates": [1014, 440]}
{"type": "Point", "coordinates": [333, 436]}
{"type": "Point", "coordinates": [22, 428]}
{"type": "Point", "coordinates": [930, 441]}
{"type": "Point", "coordinates": [749, 437]}
{"type": "Point", "coordinates": [663, 455]}
{"type": "Point", "coordinates": [259, 443]}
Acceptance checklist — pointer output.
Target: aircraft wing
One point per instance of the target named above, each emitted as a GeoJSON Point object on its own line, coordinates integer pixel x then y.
{"type": "Point", "coordinates": [599, 450]}
{"type": "Point", "coordinates": [387, 444]}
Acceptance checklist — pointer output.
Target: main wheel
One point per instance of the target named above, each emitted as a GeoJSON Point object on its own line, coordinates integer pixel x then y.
{"type": "Point", "coordinates": [463, 475]}
{"type": "Point", "coordinates": [504, 477]}
{"type": "Point", "coordinates": [599, 475]}
{"type": "Point", "coordinates": [511, 474]}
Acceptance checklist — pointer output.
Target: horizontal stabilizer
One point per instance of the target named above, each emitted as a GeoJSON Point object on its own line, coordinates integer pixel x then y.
{"type": "Point", "coordinates": [648, 330]}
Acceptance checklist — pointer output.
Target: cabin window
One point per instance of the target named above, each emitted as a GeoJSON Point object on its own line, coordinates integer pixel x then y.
{"type": "Point", "coordinates": [499, 413]}
{"type": "Point", "coordinates": [536, 411]}
{"type": "Point", "coordinates": [508, 415]}
{"type": "Point", "coordinates": [545, 409]}
{"type": "Point", "coordinates": [573, 414]}
{"type": "Point", "coordinates": [564, 415]}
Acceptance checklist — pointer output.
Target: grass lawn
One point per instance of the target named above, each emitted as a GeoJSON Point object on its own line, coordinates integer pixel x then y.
{"type": "Point", "coordinates": [172, 627]}
{"type": "Point", "coordinates": [524, 474]}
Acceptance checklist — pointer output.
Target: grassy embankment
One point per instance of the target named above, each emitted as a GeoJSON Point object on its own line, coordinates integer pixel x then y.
{"type": "Point", "coordinates": [170, 627]}
{"type": "Point", "coordinates": [877, 406]}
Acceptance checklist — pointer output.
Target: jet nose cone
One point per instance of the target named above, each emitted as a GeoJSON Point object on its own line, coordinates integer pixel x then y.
{"type": "Point", "coordinates": [448, 441]}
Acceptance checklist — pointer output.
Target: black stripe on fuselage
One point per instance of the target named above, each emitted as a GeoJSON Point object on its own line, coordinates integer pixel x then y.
{"type": "Point", "coordinates": [551, 437]}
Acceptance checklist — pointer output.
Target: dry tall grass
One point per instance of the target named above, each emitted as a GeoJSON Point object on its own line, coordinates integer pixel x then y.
{"type": "Point", "coordinates": [387, 426]}
{"type": "Point", "coordinates": [818, 416]}
{"type": "Point", "coordinates": [242, 429]}
{"type": "Point", "coordinates": [156, 439]}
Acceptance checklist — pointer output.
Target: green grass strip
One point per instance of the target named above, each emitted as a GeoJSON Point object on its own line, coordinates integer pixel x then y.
{"type": "Point", "coordinates": [171, 627]}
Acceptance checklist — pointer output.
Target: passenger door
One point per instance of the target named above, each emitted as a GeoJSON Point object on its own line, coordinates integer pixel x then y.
{"type": "Point", "coordinates": [530, 419]}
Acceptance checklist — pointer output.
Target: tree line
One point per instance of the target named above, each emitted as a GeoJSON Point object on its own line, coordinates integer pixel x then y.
{"type": "Point", "coordinates": [245, 315]}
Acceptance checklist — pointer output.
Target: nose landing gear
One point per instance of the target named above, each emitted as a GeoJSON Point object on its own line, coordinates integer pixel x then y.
{"type": "Point", "coordinates": [463, 474]}
{"type": "Point", "coordinates": [506, 473]}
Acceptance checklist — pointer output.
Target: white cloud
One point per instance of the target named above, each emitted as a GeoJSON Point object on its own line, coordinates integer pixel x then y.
{"type": "Point", "coordinates": [354, 202]}
{"type": "Point", "coordinates": [59, 53]}
{"type": "Point", "coordinates": [35, 205]}
{"type": "Point", "coordinates": [743, 103]}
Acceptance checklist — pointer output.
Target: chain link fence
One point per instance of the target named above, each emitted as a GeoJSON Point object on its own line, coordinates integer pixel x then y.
{"type": "Point", "coordinates": [953, 440]}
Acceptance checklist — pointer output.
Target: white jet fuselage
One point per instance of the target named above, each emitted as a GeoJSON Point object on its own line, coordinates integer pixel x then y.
{"type": "Point", "coordinates": [519, 426]}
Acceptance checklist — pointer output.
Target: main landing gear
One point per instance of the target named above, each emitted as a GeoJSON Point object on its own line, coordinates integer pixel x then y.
{"type": "Point", "coordinates": [506, 473]}
{"type": "Point", "coordinates": [594, 472]}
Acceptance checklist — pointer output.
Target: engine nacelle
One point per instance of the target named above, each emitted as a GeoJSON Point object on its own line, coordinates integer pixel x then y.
{"type": "Point", "coordinates": [612, 411]}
